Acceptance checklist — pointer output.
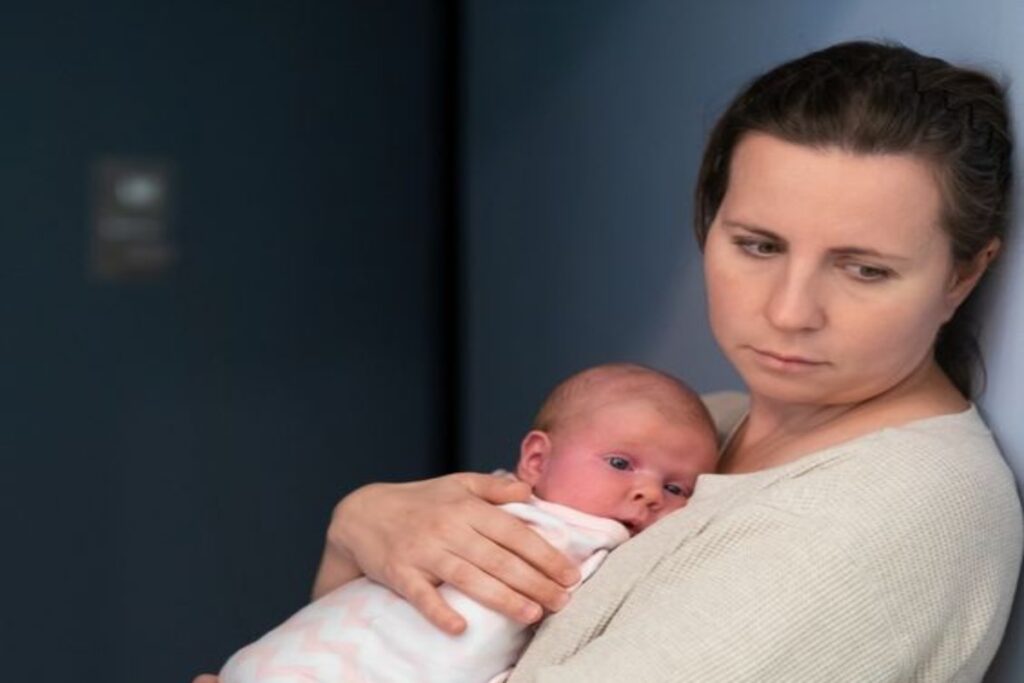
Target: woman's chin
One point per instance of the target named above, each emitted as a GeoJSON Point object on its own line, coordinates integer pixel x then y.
{"type": "Point", "coordinates": [804, 392]}
{"type": "Point", "coordinates": [792, 389]}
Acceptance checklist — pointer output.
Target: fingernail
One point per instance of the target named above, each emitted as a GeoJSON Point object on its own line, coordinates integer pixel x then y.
{"type": "Point", "coordinates": [531, 612]}
{"type": "Point", "coordinates": [560, 601]}
{"type": "Point", "coordinates": [570, 577]}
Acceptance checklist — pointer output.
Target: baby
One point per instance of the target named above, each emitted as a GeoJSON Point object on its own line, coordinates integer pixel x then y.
{"type": "Point", "coordinates": [613, 449]}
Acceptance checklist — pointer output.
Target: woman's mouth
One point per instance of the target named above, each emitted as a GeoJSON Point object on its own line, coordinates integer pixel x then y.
{"type": "Point", "coordinates": [785, 362]}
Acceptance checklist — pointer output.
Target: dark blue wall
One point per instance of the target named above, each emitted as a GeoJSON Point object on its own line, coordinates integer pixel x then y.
{"type": "Point", "coordinates": [172, 450]}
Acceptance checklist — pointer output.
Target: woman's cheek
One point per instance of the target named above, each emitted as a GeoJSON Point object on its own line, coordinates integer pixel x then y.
{"type": "Point", "coordinates": [724, 287]}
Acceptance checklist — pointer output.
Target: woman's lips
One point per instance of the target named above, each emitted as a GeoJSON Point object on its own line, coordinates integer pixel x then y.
{"type": "Point", "coordinates": [782, 361]}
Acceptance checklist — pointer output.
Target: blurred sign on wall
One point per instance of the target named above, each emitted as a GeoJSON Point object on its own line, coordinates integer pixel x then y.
{"type": "Point", "coordinates": [131, 225]}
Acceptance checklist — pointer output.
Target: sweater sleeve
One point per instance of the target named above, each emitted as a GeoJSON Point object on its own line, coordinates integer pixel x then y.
{"type": "Point", "coordinates": [806, 614]}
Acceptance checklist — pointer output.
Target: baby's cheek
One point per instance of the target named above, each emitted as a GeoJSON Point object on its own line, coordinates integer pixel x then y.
{"type": "Point", "coordinates": [674, 504]}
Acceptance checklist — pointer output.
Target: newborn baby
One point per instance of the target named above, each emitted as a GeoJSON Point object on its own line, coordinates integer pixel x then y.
{"type": "Point", "coordinates": [613, 449]}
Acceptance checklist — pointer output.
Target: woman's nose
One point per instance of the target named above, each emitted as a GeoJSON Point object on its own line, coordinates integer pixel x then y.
{"type": "Point", "coordinates": [794, 302]}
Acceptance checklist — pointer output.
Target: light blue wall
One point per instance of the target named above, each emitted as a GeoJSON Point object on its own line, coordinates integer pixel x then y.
{"type": "Point", "coordinates": [584, 126]}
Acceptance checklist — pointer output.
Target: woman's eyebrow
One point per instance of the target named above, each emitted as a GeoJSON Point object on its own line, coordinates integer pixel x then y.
{"type": "Point", "coordinates": [872, 253]}
{"type": "Point", "coordinates": [845, 250]}
{"type": "Point", "coordinates": [750, 227]}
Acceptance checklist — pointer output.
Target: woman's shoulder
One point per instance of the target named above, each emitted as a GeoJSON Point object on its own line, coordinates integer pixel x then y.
{"type": "Point", "coordinates": [936, 487]}
{"type": "Point", "coordinates": [938, 475]}
{"type": "Point", "coordinates": [940, 455]}
{"type": "Point", "coordinates": [938, 458]}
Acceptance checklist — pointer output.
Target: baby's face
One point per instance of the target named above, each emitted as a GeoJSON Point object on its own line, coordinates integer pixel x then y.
{"type": "Point", "coordinates": [624, 460]}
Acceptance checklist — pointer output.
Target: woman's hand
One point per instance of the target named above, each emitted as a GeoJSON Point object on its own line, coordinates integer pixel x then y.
{"type": "Point", "coordinates": [411, 537]}
{"type": "Point", "coordinates": [205, 678]}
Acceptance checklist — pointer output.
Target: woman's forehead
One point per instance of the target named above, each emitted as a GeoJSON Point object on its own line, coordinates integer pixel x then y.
{"type": "Point", "coordinates": [833, 194]}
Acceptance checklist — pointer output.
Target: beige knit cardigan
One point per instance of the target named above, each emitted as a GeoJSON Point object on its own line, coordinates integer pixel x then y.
{"type": "Point", "coordinates": [891, 557]}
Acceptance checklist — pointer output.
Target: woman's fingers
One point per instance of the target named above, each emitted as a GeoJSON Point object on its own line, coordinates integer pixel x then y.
{"type": "Point", "coordinates": [412, 536]}
{"type": "Point", "coordinates": [495, 593]}
{"type": "Point", "coordinates": [494, 489]}
{"type": "Point", "coordinates": [512, 534]}
{"type": "Point", "coordinates": [205, 678]}
{"type": "Point", "coordinates": [480, 556]}
{"type": "Point", "coordinates": [491, 555]}
{"type": "Point", "coordinates": [423, 595]}
{"type": "Point", "coordinates": [508, 554]}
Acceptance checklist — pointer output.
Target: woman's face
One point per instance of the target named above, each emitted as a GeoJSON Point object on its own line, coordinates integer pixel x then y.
{"type": "Point", "coordinates": [828, 274]}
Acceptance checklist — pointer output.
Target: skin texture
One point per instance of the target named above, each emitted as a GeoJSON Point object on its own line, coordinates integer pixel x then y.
{"type": "Point", "coordinates": [621, 459]}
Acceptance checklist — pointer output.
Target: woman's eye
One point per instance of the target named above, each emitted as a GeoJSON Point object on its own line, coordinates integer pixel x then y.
{"type": "Point", "coordinates": [865, 273]}
{"type": "Point", "coordinates": [618, 462]}
{"type": "Point", "coordinates": [757, 247]}
{"type": "Point", "coordinates": [675, 489]}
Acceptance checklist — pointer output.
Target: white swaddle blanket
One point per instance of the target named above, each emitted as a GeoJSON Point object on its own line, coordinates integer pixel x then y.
{"type": "Point", "coordinates": [364, 633]}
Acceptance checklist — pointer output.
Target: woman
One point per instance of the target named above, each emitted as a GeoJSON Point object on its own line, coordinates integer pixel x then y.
{"type": "Point", "coordinates": [862, 525]}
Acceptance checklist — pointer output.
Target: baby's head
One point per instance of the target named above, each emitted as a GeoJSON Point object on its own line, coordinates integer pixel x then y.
{"type": "Point", "coordinates": [619, 441]}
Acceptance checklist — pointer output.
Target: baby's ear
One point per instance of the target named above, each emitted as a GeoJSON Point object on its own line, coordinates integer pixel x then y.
{"type": "Point", "coordinates": [533, 456]}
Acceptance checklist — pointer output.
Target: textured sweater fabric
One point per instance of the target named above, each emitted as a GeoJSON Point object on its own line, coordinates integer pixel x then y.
{"type": "Point", "coordinates": [363, 633]}
{"type": "Point", "coordinates": [890, 557]}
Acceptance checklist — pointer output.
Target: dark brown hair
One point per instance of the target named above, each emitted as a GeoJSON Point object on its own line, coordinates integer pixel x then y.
{"type": "Point", "coordinates": [876, 98]}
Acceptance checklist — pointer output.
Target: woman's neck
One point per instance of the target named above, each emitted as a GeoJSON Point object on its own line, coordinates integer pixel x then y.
{"type": "Point", "coordinates": [777, 432]}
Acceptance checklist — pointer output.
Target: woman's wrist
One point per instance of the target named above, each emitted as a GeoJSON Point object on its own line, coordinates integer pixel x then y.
{"type": "Point", "coordinates": [337, 566]}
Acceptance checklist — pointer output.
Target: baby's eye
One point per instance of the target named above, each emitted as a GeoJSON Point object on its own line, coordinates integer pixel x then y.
{"type": "Point", "coordinates": [759, 248]}
{"type": "Point", "coordinates": [675, 489]}
{"type": "Point", "coordinates": [618, 462]}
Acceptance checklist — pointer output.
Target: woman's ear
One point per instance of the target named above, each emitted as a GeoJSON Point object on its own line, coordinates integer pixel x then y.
{"type": "Point", "coordinates": [533, 456]}
{"type": "Point", "coordinates": [967, 274]}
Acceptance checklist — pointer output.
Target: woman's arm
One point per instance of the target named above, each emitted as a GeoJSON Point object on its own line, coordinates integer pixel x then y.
{"type": "Point", "coordinates": [412, 537]}
{"type": "Point", "coordinates": [336, 564]}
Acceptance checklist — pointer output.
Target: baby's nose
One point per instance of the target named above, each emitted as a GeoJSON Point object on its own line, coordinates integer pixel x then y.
{"type": "Point", "coordinates": [648, 492]}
